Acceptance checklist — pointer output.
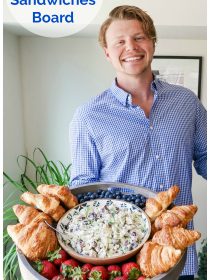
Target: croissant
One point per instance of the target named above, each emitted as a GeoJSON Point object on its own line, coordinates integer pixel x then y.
{"type": "Point", "coordinates": [48, 205]}
{"type": "Point", "coordinates": [177, 237]}
{"type": "Point", "coordinates": [28, 214]}
{"type": "Point", "coordinates": [154, 258]}
{"type": "Point", "coordinates": [61, 192]}
{"type": "Point", "coordinates": [34, 240]}
{"type": "Point", "coordinates": [177, 216]}
{"type": "Point", "coordinates": [155, 206]}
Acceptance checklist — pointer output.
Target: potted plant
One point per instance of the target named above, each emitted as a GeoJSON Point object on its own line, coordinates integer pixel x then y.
{"type": "Point", "coordinates": [202, 257]}
{"type": "Point", "coordinates": [42, 171]}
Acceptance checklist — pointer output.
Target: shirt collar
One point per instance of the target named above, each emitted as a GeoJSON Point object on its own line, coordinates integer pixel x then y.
{"type": "Point", "coordinates": [124, 97]}
{"type": "Point", "coordinates": [121, 95]}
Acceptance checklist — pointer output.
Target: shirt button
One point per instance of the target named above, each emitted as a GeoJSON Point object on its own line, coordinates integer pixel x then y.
{"type": "Point", "coordinates": [157, 156]}
{"type": "Point", "coordinates": [151, 127]}
{"type": "Point", "coordinates": [161, 186]}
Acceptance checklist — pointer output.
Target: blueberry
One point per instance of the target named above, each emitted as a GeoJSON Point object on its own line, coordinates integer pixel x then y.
{"type": "Point", "coordinates": [118, 197]}
{"type": "Point", "coordinates": [99, 191]}
{"type": "Point", "coordinates": [110, 195]}
{"type": "Point", "coordinates": [124, 196]}
{"type": "Point", "coordinates": [118, 193]}
{"type": "Point", "coordinates": [94, 196]}
{"type": "Point", "coordinates": [137, 201]}
{"type": "Point", "coordinates": [113, 195]}
{"type": "Point", "coordinates": [86, 198]}
{"type": "Point", "coordinates": [81, 200]}
{"type": "Point", "coordinates": [107, 194]}
{"type": "Point", "coordinates": [143, 199]}
{"type": "Point", "coordinates": [80, 195]}
{"type": "Point", "coordinates": [142, 205]}
{"type": "Point", "coordinates": [133, 196]}
{"type": "Point", "coordinates": [89, 193]}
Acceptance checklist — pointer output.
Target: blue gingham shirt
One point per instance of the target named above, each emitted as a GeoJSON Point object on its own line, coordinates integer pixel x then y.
{"type": "Point", "coordinates": [113, 141]}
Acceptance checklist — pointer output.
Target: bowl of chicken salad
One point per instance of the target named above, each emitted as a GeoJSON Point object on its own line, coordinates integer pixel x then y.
{"type": "Point", "coordinates": [103, 231]}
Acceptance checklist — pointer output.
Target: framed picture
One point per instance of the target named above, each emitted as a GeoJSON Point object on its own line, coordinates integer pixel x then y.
{"type": "Point", "coordinates": [179, 70]}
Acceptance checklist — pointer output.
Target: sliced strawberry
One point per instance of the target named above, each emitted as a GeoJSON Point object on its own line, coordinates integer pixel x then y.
{"type": "Point", "coordinates": [131, 270]}
{"type": "Point", "coordinates": [66, 268]}
{"type": "Point", "coordinates": [98, 273]}
{"type": "Point", "coordinates": [114, 271]}
{"type": "Point", "coordinates": [46, 269]}
{"type": "Point", "coordinates": [58, 256]}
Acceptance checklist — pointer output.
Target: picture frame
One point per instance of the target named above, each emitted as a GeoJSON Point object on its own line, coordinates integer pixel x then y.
{"type": "Point", "coordinates": [179, 70]}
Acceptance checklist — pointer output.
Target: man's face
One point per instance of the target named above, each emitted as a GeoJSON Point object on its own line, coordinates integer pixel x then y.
{"type": "Point", "coordinates": [128, 48]}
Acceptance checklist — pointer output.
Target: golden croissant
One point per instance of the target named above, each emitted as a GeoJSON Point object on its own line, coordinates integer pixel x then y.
{"type": "Point", "coordinates": [177, 237]}
{"type": "Point", "coordinates": [177, 216]}
{"type": "Point", "coordinates": [28, 214]}
{"type": "Point", "coordinates": [34, 240]}
{"type": "Point", "coordinates": [154, 258]}
{"type": "Point", "coordinates": [61, 192]}
{"type": "Point", "coordinates": [48, 205]}
{"type": "Point", "coordinates": [155, 206]}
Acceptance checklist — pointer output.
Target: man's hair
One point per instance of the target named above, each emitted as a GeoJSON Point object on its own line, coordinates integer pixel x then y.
{"type": "Point", "coordinates": [128, 13]}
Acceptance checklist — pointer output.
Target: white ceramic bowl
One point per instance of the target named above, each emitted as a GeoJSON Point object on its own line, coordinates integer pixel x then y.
{"type": "Point", "coordinates": [99, 206]}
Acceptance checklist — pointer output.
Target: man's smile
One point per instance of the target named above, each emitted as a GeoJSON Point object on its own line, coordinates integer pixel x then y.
{"type": "Point", "coordinates": [133, 58]}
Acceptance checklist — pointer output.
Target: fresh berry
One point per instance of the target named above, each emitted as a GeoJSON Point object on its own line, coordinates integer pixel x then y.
{"type": "Point", "coordinates": [66, 268]}
{"type": "Point", "coordinates": [123, 277]}
{"type": "Point", "coordinates": [131, 270]}
{"type": "Point", "coordinates": [78, 274]}
{"type": "Point", "coordinates": [58, 256]}
{"type": "Point", "coordinates": [114, 271]}
{"type": "Point", "coordinates": [142, 278]}
{"type": "Point", "coordinates": [98, 273]}
{"type": "Point", "coordinates": [46, 269]}
{"type": "Point", "coordinates": [86, 268]}
{"type": "Point", "coordinates": [59, 277]}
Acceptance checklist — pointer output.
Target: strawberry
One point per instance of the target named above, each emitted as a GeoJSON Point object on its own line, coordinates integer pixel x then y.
{"type": "Point", "coordinates": [131, 270]}
{"type": "Point", "coordinates": [123, 277]}
{"type": "Point", "coordinates": [114, 271]}
{"type": "Point", "coordinates": [58, 256]}
{"type": "Point", "coordinates": [59, 277]}
{"type": "Point", "coordinates": [142, 278]}
{"type": "Point", "coordinates": [78, 274]}
{"type": "Point", "coordinates": [86, 268]}
{"type": "Point", "coordinates": [66, 268]}
{"type": "Point", "coordinates": [46, 269]}
{"type": "Point", "coordinates": [98, 273]}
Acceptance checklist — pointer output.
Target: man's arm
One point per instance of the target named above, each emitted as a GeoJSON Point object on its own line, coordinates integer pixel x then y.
{"type": "Point", "coordinates": [200, 141]}
{"type": "Point", "coordinates": [86, 162]}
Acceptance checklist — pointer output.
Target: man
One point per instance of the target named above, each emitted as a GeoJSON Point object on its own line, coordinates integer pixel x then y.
{"type": "Point", "coordinates": [141, 130]}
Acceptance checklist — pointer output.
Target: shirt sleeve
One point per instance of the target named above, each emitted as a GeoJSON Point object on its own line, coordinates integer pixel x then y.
{"type": "Point", "coordinates": [200, 141]}
{"type": "Point", "coordinates": [85, 158]}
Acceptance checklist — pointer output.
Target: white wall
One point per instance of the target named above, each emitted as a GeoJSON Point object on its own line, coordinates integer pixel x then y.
{"type": "Point", "coordinates": [13, 130]}
{"type": "Point", "coordinates": [199, 186]}
{"type": "Point", "coordinates": [60, 74]}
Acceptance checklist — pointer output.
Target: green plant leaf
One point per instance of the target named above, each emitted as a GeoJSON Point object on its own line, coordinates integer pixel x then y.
{"type": "Point", "coordinates": [32, 173]}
